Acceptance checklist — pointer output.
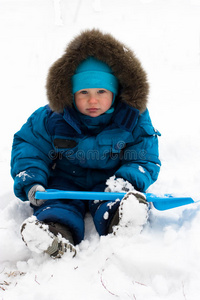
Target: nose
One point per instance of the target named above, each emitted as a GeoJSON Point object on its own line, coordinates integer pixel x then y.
{"type": "Point", "coordinates": [92, 99]}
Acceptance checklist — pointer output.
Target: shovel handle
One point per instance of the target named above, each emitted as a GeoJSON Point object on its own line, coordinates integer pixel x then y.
{"type": "Point", "coordinates": [160, 203]}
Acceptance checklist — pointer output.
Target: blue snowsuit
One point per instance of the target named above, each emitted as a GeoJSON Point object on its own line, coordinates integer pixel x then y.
{"type": "Point", "coordinates": [60, 148]}
{"type": "Point", "coordinates": [57, 151]}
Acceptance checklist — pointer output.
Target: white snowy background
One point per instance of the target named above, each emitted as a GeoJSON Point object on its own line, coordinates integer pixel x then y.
{"type": "Point", "coordinates": [163, 261]}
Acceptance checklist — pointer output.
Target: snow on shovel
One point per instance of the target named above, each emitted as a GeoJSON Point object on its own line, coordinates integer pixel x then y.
{"type": "Point", "coordinates": [160, 203]}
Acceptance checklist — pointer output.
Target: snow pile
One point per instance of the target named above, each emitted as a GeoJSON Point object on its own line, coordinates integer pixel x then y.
{"type": "Point", "coordinates": [159, 263]}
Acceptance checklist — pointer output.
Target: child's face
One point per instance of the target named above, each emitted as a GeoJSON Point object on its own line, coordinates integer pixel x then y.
{"type": "Point", "coordinates": [93, 102]}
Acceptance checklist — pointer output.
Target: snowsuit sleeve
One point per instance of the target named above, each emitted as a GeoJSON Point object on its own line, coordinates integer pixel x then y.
{"type": "Point", "coordinates": [140, 163]}
{"type": "Point", "coordinates": [30, 159]}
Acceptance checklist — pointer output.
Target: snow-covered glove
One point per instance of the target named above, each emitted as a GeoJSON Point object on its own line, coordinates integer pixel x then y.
{"type": "Point", "coordinates": [31, 195]}
{"type": "Point", "coordinates": [118, 185]}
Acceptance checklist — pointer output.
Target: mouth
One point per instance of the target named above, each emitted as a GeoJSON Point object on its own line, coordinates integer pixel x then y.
{"type": "Point", "coordinates": [92, 110]}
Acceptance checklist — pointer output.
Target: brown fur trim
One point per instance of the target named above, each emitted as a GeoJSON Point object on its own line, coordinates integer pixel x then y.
{"type": "Point", "coordinates": [126, 67]}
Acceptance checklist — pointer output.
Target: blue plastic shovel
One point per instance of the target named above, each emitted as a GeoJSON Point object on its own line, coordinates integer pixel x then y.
{"type": "Point", "coordinates": [160, 203]}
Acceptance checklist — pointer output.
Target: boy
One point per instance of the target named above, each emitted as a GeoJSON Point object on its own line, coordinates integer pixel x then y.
{"type": "Point", "coordinates": [96, 126]}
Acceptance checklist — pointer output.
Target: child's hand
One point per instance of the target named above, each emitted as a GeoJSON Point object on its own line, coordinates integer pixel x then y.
{"type": "Point", "coordinates": [118, 185]}
{"type": "Point", "coordinates": [31, 195]}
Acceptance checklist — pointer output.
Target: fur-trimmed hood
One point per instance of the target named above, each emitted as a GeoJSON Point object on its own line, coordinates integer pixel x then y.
{"type": "Point", "coordinates": [125, 66]}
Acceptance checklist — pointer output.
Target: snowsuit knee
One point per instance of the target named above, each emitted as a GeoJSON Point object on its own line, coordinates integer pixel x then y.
{"type": "Point", "coordinates": [67, 212]}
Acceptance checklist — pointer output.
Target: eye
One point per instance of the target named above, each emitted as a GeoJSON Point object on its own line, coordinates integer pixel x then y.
{"type": "Point", "coordinates": [101, 91]}
{"type": "Point", "coordinates": [84, 92]}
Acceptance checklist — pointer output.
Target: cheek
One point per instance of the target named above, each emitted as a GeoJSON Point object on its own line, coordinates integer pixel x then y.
{"type": "Point", "coordinates": [108, 103]}
{"type": "Point", "coordinates": [79, 103]}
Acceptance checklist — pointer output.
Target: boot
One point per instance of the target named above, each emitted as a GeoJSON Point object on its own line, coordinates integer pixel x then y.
{"type": "Point", "coordinates": [52, 238]}
{"type": "Point", "coordinates": [59, 248]}
{"type": "Point", "coordinates": [116, 221]}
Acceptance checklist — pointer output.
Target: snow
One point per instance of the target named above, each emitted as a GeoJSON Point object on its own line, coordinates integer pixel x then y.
{"type": "Point", "coordinates": [118, 185]}
{"type": "Point", "coordinates": [141, 169]}
{"type": "Point", "coordinates": [106, 215]}
{"type": "Point", "coordinates": [23, 175]}
{"type": "Point", "coordinates": [162, 262]}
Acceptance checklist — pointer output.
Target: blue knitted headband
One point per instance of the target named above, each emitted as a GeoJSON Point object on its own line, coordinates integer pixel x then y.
{"type": "Point", "coordinates": [93, 73]}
